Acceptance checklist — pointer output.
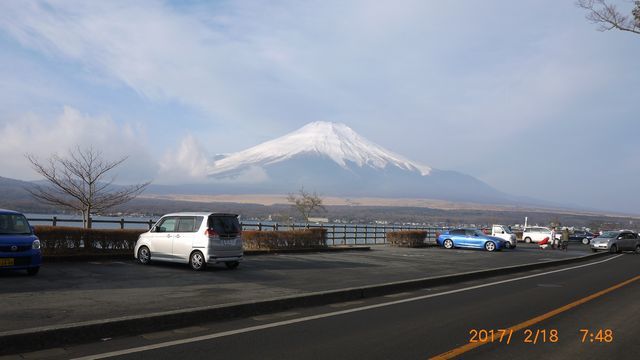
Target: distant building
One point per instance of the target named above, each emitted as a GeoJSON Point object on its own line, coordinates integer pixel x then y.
{"type": "Point", "coordinates": [318, 220]}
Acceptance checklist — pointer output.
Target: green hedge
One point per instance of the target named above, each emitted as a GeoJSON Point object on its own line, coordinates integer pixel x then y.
{"type": "Point", "coordinates": [65, 239]}
{"type": "Point", "coordinates": [407, 238]}
{"type": "Point", "coordinates": [293, 239]}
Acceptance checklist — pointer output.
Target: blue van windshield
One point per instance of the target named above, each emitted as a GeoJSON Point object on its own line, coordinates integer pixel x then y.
{"type": "Point", "coordinates": [14, 224]}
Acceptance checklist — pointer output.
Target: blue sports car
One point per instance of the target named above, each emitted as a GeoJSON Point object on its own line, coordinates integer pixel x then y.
{"type": "Point", "coordinates": [19, 247]}
{"type": "Point", "coordinates": [470, 238]}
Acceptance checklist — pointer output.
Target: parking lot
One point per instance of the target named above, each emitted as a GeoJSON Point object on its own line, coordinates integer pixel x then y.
{"type": "Point", "coordinates": [81, 291]}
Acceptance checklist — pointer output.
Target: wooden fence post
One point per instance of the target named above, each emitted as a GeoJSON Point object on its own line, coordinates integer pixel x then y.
{"type": "Point", "coordinates": [333, 235]}
{"type": "Point", "coordinates": [344, 235]}
{"type": "Point", "coordinates": [366, 233]}
{"type": "Point", "coordinates": [375, 234]}
{"type": "Point", "coordinates": [355, 235]}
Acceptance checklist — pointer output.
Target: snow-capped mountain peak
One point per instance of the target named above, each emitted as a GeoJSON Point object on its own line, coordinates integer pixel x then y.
{"type": "Point", "coordinates": [335, 141]}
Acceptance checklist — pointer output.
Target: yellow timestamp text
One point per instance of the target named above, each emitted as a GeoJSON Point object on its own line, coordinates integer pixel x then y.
{"type": "Point", "coordinates": [597, 336]}
{"type": "Point", "coordinates": [537, 336]}
{"type": "Point", "coordinates": [529, 336]}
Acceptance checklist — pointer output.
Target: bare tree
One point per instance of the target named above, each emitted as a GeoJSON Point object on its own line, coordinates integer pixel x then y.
{"type": "Point", "coordinates": [79, 182]}
{"type": "Point", "coordinates": [305, 202]}
{"type": "Point", "coordinates": [609, 17]}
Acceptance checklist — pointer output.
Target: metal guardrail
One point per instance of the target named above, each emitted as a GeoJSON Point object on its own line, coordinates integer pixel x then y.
{"type": "Point", "coordinates": [350, 234]}
{"type": "Point", "coordinates": [122, 222]}
{"type": "Point", "coordinates": [337, 234]}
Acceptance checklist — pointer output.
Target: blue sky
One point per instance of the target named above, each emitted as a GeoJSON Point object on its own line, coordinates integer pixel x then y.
{"type": "Point", "coordinates": [525, 95]}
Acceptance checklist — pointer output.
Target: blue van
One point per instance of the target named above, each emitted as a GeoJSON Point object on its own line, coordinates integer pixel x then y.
{"type": "Point", "coordinates": [19, 247]}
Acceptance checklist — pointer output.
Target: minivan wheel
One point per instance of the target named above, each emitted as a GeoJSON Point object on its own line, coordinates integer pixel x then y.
{"type": "Point", "coordinates": [614, 249]}
{"type": "Point", "coordinates": [527, 240]}
{"type": "Point", "coordinates": [196, 260]}
{"type": "Point", "coordinates": [448, 244]}
{"type": "Point", "coordinates": [489, 246]}
{"type": "Point", "coordinates": [144, 255]}
{"type": "Point", "coordinates": [638, 249]}
{"type": "Point", "coordinates": [32, 271]}
{"type": "Point", "coordinates": [232, 264]}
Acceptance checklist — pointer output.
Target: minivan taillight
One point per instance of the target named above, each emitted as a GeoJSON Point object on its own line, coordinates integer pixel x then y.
{"type": "Point", "coordinates": [210, 233]}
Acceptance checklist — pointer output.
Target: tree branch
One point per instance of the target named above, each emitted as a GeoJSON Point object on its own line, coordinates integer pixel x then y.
{"type": "Point", "coordinates": [608, 17]}
{"type": "Point", "coordinates": [76, 182]}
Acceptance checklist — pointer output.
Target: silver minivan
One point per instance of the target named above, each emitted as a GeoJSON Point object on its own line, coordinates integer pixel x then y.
{"type": "Point", "coordinates": [196, 238]}
{"type": "Point", "coordinates": [616, 241]}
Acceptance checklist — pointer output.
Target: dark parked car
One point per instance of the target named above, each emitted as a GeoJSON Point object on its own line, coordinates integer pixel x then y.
{"type": "Point", "coordinates": [581, 236]}
{"type": "Point", "coordinates": [19, 247]}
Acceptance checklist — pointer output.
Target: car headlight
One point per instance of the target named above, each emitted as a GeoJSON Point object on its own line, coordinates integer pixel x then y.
{"type": "Point", "coordinates": [36, 244]}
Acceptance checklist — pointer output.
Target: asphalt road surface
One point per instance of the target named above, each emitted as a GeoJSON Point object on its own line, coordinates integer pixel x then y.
{"type": "Point", "coordinates": [64, 293]}
{"type": "Point", "coordinates": [546, 309]}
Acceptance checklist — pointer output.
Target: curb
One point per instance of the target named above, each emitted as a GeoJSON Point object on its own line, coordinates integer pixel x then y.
{"type": "Point", "coordinates": [129, 256]}
{"type": "Point", "coordinates": [33, 339]}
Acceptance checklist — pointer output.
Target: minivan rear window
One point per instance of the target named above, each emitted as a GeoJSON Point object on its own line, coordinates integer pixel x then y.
{"type": "Point", "coordinates": [224, 225]}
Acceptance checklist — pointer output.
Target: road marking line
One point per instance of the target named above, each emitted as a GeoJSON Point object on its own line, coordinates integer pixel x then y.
{"type": "Point", "coordinates": [470, 346]}
{"type": "Point", "coordinates": [321, 316]}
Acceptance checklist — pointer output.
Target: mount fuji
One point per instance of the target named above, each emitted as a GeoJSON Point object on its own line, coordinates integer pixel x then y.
{"type": "Point", "coordinates": [334, 160]}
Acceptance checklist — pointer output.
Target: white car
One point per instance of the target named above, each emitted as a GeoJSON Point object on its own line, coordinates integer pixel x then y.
{"type": "Point", "coordinates": [505, 233]}
{"type": "Point", "coordinates": [536, 234]}
{"type": "Point", "coordinates": [196, 238]}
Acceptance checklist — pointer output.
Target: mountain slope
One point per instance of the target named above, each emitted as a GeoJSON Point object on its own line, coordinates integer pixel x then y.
{"type": "Point", "coordinates": [337, 142]}
{"type": "Point", "coordinates": [334, 160]}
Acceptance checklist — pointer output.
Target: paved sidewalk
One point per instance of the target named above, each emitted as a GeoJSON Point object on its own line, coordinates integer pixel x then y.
{"type": "Point", "coordinates": [66, 293]}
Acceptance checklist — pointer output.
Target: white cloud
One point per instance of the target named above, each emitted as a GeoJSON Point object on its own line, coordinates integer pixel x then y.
{"type": "Point", "coordinates": [45, 137]}
{"type": "Point", "coordinates": [190, 163]}
{"type": "Point", "coordinates": [185, 164]}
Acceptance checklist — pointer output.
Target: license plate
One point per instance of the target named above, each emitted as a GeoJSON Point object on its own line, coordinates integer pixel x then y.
{"type": "Point", "coordinates": [7, 262]}
{"type": "Point", "coordinates": [228, 242]}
